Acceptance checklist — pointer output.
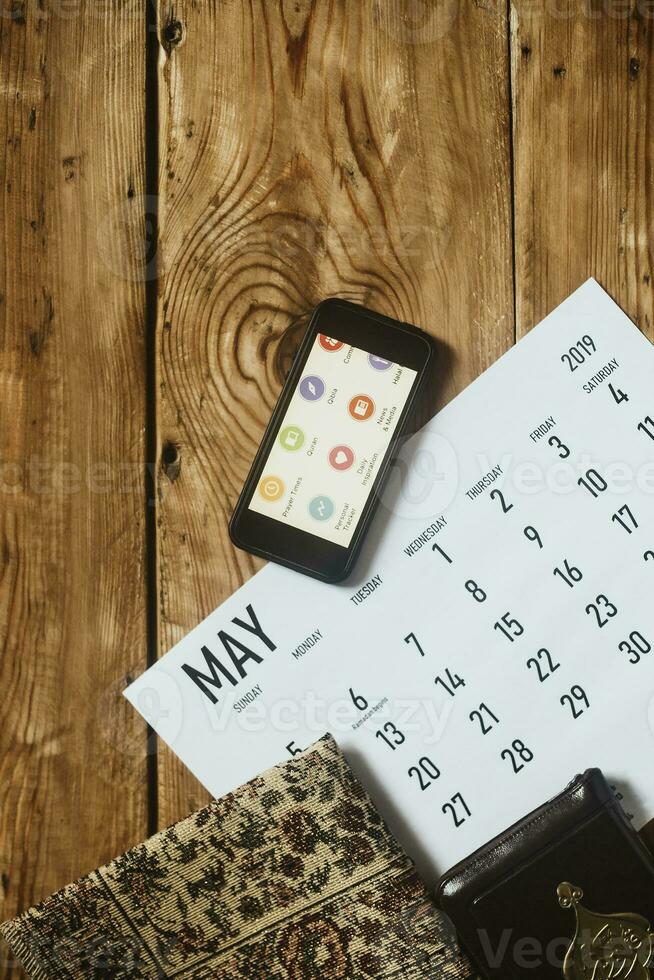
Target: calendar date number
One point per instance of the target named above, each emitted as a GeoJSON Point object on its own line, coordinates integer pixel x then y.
{"type": "Point", "coordinates": [426, 772]}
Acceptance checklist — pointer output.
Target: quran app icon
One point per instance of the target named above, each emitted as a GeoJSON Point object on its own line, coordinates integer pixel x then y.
{"type": "Point", "coordinates": [271, 488]}
{"type": "Point", "coordinates": [291, 438]}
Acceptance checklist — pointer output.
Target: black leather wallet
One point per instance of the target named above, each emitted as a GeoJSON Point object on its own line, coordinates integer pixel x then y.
{"type": "Point", "coordinates": [568, 891]}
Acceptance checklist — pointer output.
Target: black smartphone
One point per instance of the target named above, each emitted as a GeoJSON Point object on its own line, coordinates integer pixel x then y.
{"type": "Point", "coordinates": [315, 482]}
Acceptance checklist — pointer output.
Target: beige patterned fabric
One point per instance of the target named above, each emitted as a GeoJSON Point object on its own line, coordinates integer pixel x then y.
{"type": "Point", "coordinates": [293, 876]}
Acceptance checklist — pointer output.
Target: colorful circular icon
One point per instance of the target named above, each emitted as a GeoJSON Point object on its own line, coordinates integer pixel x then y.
{"type": "Point", "coordinates": [379, 363]}
{"type": "Point", "coordinates": [361, 407]}
{"type": "Point", "coordinates": [312, 387]}
{"type": "Point", "coordinates": [341, 457]}
{"type": "Point", "coordinates": [271, 488]}
{"type": "Point", "coordinates": [329, 344]}
{"type": "Point", "coordinates": [291, 438]}
{"type": "Point", "coordinates": [321, 508]}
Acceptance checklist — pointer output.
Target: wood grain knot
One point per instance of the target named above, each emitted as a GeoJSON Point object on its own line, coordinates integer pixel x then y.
{"type": "Point", "coordinates": [17, 12]}
{"type": "Point", "coordinates": [172, 35]}
{"type": "Point", "coordinates": [70, 167]}
{"type": "Point", "coordinates": [39, 337]}
{"type": "Point", "coordinates": [171, 460]}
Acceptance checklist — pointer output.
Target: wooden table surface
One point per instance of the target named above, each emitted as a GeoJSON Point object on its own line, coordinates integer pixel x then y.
{"type": "Point", "coordinates": [461, 164]}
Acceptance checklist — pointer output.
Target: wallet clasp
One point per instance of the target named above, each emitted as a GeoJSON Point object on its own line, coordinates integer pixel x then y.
{"type": "Point", "coordinates": [606, 946]}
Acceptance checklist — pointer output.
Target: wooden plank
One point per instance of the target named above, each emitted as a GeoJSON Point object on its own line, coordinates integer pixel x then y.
{"type": "Point", "coordinates": [583, 96]}
{"type": "Point", "coordinates": [72, 501]}
{"type": "Point", "coordinates": [311, 149]}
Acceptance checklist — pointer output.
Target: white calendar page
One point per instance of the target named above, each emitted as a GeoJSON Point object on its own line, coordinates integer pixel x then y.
{"type": "Point", "coordinates": [498, 634]}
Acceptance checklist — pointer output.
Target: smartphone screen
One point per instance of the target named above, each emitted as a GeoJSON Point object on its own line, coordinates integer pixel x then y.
{"type": "Point", "coordinates": [332, 440]}
{"type": "Point", "coordinates": [315, 481]}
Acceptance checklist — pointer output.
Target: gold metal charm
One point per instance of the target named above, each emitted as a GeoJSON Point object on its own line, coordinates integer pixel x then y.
{"type": "Point", "coordinates": [605, 947]}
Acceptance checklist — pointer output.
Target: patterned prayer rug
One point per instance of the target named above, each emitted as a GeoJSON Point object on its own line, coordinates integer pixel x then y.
{"type": "Point", "coordinates": [293, 876]}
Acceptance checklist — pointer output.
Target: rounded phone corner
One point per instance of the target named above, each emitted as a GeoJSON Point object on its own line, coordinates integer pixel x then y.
{"type": "Point", "coordinates": [343, 573]}
{"type": "Point", "coordinates": [325, 305]}
{"type": "Point", "coordinates": [336, 578]}
{"type": "Point", "coordinates": [430, 344]}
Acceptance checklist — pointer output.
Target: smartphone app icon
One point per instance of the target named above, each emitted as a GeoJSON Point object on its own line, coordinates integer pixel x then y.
{"type": "Point", "coordinates": [321, 508]}
{"type": "Point", "coordinates": [312, 388]}
{"type": "Point", "coordinates": [361, 407]}
{"type": "Point", "coordinates": [341, 457]}
{"type": "Point", "coordinates": [379, 363]}
{"type": "Point", "coordinates": [329, 344]}
{"type": "Point", "coordinates": [291, 438]}
{"type": "Point", "coordinates": [271, 488]}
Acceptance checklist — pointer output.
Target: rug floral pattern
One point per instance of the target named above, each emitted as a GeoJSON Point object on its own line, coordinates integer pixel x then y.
{"type": "Point", "coordinates": [292, 877]}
